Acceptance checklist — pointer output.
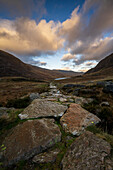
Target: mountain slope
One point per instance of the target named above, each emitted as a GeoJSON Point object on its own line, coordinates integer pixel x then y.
{"type": "Point", "coordinates": [105, 66]}
{"type": "Point", "coordinates": [70, 73]}
{"type": "Point", "coordinates": [10, 66]}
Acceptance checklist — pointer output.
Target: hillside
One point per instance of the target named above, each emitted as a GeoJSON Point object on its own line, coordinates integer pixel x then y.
{"type": "Point", "coordinates": [70, 73]}
{"type": "Point", "coordinates": [104, 67]}
{"type": "Point", "coordinates": [10, 66]}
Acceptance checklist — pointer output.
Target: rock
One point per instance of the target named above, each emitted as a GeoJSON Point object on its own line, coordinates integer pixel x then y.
{"type": "Point", "coordinates": [73, 85]}
{"type": "Point", "coordinates": [104, 104]}
{"type": "Point", "coordinates": [30, 138]}
{"type": "Point", "coordinates": [68, 86]}
{"type": "Point", "coordinates": [62, 99]}
{"type": "Point", "coordinates": [101, 83]}
{"type": "Point", "coordinates": [76, 119]}
{"type": "Point", "coordinates": [108, 89]}
{"type": "Point", "coordinates": [87, 152]}
{"type": "Point", "coordinates": [46, 157]}
{"type": "Point", "coordinates": [71, 100]}
{"type": "Point", "coordinates": [34, 96]}
{"type": "Point", "coordinates": [4, 112]}
{"type": "Point", "coordinates": [51, 99]}
{"type": "Point", "coordinates": [45, 94]}
{"type": "Point", "coordinates": [81, 100]}
{"type": "Point", "coordinates": [43, 108]}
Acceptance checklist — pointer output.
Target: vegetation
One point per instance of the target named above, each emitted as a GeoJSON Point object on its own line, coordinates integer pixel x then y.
{"type": "Point", "coordinates": [98, 132]}
{"type": "Point", "coordinates": [13, 90]}
{"type": "Point", "coordinates": [12, 121]}
{"type": "Point", "coordinates": [18, 103]}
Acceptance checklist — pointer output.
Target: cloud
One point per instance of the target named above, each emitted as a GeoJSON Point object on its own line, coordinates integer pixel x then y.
{"type": "Point", "coordinates": [67, 57]}
{"type": "Point", "coordinates": [37, 63]}
{"type": "Point", "coordinates": [87, 34]}
{"type": "Point", "coordinates": [25, 37]}
{"type": "Point", "coordinates": [97, 50]}
{"type": "Point", "coordinates": [22, 8]}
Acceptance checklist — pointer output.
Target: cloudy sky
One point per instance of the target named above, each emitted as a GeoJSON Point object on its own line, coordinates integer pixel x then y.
{"type": "Point", "coordinates": [57, 34]}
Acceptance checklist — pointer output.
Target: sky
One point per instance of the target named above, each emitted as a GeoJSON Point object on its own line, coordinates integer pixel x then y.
{"type": "Point", "coordinates": [57, 34]}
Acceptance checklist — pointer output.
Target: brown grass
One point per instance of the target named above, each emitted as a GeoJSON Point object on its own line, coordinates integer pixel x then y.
{"type": "Point", "coordinates": [13, 90]}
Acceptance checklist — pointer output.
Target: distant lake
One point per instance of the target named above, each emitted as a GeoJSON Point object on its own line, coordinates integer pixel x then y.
{"type": "Point", "coordinates": [62, 78]}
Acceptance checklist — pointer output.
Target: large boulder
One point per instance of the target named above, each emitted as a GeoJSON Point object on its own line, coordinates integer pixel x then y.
{"type": "Point", "coordinates": [76, 119]}
{"type": "Point", "coordinates": [43, 108]}
{"type": "Point", "coordinates": [88, 152]}
{"type": "Point", "coordinates": [28, 139]}
{"type": "Point", "coordinates": [108, 89]}
{"type": "Point", "coordinates": [34, 96]}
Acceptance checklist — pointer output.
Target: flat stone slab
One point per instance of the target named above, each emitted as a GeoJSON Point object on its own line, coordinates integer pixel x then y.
{"type": "Point", "coordinates": [43, 108]}
{"type": "Point", "coordinates": [29, 139]}
{"type": "Point", "coordinates": [88, 152]}
{"type": "Point", "coordinates": [76, 119]}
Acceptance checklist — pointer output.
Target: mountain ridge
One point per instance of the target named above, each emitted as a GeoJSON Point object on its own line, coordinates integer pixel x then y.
{"type": "Point", "coordinates": [103, 67]}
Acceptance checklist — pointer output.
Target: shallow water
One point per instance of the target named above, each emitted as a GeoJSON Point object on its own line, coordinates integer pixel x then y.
{"type": "Point", "coordinates": [62, 78]}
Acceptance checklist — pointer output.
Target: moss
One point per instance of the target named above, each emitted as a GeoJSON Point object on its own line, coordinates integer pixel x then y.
{"type": "Point", "coordinates": [93, 129]}
{"type": "Point", "coordinates": [18, 103]}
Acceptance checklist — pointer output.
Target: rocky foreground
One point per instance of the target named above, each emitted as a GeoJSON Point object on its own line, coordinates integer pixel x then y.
{"type": "Point", "coordinates": [46, 125]}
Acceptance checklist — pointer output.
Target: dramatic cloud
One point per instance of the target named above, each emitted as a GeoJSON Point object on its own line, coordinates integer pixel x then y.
{"type": "Point", "coordinates": [88, 35]}
{"type": "Point", "coordinates": [27, 38]}
{"type": "Point", "coordinates": [22, 8]}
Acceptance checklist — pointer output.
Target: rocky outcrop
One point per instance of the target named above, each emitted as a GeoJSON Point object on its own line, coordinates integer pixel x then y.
{"type": "Point", "coordinates": [43, 108]}
{"type": "Point", "coordinates": [87, 152]}
{"type": "Point", "coordinates": [28, 139]}
{"type": "Point", "coordinates": [76, 119]}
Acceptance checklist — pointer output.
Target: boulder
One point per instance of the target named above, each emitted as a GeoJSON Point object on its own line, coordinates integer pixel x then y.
{"type": "Point", "coordinates": [108, 89]}
{"type": "Point", "coordinates": [88, 152]}
{"type": "Point", "coordinates": [62, 99]}
{"type": "Point", "coordinates": [46, 157]}
{"type": "Point", "coordinates": [105, 104]}
{"type": "Point", "coordinates": [76, 119]}
{"type": "Point", "coordinates": [34, 96]}
{"type": "Point", "coordinates": [43, 108]}
{"type": "Point", "coordinates": [30, 138]}
{"type": "Point", "coordinates": [4, 112]}
{"type": "Point", "coordinates": [81, 100]}
{"type": "Point", "coordinates": [45, 94]}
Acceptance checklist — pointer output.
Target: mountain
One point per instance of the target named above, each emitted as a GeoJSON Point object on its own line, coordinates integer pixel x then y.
{"type": "Point", "coordinates": [104, 67]}
{"type": "Point", "coordinates": [70, 73]}
{"type": "Point", "coordinates": [10, 66]}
